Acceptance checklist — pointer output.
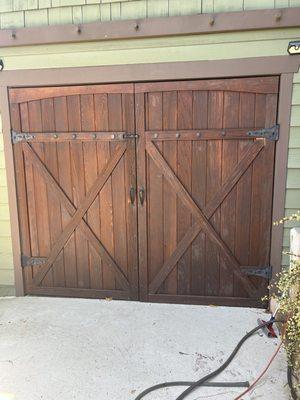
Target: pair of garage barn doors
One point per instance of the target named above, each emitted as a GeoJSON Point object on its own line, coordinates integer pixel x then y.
{"type": "Point", "coordinates": [151, 191]}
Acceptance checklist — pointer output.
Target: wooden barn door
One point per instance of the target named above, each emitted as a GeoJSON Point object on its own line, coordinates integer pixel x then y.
{"type": "Point", "coordinates": [205, 189]}
{"type": "Point", "coordinates": [76, 183]}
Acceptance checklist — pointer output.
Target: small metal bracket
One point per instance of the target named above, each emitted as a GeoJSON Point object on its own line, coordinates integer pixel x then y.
{"type": "Point", "coordinates": [32, 261]}
{"type": "Point", "coordinates": [20, 137]}
{"type": "Point", "coordinates": [263, 272]}
{"type": "Point", "coordinates": [130, 135]}
{"type": "Point", "coordinates": [266, 133]}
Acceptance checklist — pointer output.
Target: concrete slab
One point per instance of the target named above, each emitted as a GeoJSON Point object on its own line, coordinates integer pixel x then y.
{"type": "Point", "coordinates": [64, 349]}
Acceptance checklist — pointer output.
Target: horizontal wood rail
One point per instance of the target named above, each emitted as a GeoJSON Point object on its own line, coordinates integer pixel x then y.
{"type": "Point", "coordinates": [67, 136]}
{"type": "Point", "coordinates": [153, 27]}
{"type": "Point", "coordinates": [30, 94]}
{"type": "Point", "coordinates": [263, 85]}
{"type": "Point", "coordinates": [199, 134]}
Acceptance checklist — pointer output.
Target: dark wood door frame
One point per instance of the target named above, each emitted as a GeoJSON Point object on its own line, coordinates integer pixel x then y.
{"type": "Point", "coordinates": [284, 66]}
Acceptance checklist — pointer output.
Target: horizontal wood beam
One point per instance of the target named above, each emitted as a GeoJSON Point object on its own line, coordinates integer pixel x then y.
{"type": "Point", "coordinates": [255, 66]}
{"type": "Point", "coordinates": [153, 27]}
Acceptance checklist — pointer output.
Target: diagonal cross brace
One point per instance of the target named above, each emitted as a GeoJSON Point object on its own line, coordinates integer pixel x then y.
{"type": "Point", "coordinates": [95, 242]}
{"type": "Point", "coordinates": [203, 216]}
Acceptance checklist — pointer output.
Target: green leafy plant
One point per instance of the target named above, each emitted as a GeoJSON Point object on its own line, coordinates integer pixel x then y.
{"type": "Point", "coordinates": [287, 296]}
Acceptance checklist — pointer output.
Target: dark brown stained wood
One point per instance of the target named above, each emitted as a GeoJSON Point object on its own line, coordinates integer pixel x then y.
{"type": "Point", "coordinates": [54, 211]}
{"type": "Point", "coordinates": [29, 94]}
{"type": "Point", "coordinates": [131, 239]}
{"type": "Point", "coordinates": [140, 113]}
{"type": "Point", "coordinates": [78, 180]}
{"type": "Point", "coordinates": [248, 85]}
{"type": "Point", "coordinates": [207, 189]}
{"type": "Point", "coordinates": [209, 170]}
{"type": "Point", "coordinates": [184, 154]}
{"type": "Point", "coordinates": [21, 192]}
{"type": "Point", "coordinates": [114, 120]}
{"type": "Point", "coordinates": [40, 190]}
{"type": "Point", "coordinates": [155, 196]}
{"type": "Point", "coordinates": [71, 209]}
{"type": "Point", "coordinates": [199, 195]}
{"type": "Point", "coordinates": [118, 189]}
{"type": "Point", "coordinates": [243, 200]}
{"type": "Point", "coordinates": [261, 207]}
{"type": "Point", "coordinates": [244, 163]}
{"type": "Point", "coordinates": [62, 174]}
{"type": "Point", "coordinates": [93, 214]}
{"type": "Point", "coordinates": [229, 161]}
{"type": "Point", "coordinates": [202, 220]}
{"type": "Point", "coordinates": [85, 204]}
{"type": "Point", "coordinates": [169, 197]}
{"type": "Point", "coordinates": [213, 183]}
{"type": "Point", "coordinates": [61, 107]}
{"type": "Point", "coordinates": [29, 193]}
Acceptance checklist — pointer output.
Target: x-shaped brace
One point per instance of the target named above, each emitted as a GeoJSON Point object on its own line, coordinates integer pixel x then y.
{"type": "Point", "coordinates": [77, 214]}
{"type": "Point", "coordinates": [203, 216]}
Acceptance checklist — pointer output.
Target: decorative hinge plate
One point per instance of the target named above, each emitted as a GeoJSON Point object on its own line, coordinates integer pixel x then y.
{"type": "Point", "coordinates": [263, 272]}
{"type": "Point", "coordinates": [130, 135]}
{"type": "Point", "coordinates": [266, 133]}
{"type": "Point", "coordinates": [32, 261]}
{"type": "Point", "coordinates": [20, 137]}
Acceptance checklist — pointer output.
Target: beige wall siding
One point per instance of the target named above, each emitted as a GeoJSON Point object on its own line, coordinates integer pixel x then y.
{"type": "Point", "coordinates": [6, 262]}
{"type": "Point", "coordinates": [292, 203]}
{"type": "Point", "coordinates": [20, 13]}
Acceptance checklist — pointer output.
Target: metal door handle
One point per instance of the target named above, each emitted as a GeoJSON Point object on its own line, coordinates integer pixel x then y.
{"type": "Point", "coordinates": [142, 195]}
{"type": "Point", "coordinates": [132, 195]}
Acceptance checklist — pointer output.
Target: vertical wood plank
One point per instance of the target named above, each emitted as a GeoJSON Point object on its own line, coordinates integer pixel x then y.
{"type": "Point", "coordinates": [228, 207]}
{"type": "Point", "coordinates": [20, 175]}
{"type": "Point", "coordinates": [30, 194]}
{"type": "Point", "coordinates": [78, 188]}
{"type": "Point", "coordinates": [90, 168]}
{"type": "Point", "coordinates": [54, 209]}
{"type": "Point", "coordinates": [214, 170]}
{"type": "Point", "coordinates": [169, 197]}
{"type": "Point", "coordinates": [63, 106]}
{"type": "Point", "coordinates": [40, 189]}
{"type": "Point", "coordinates": [155, 192]}
{"type": "Point", "coordinates": [118, 188]}
{"type": "Point", "coordinates": [128, 123]}
{"type": "Point", "coordinates": [140, 115]}
{"type": "Point", "coordinates": [184, 155]}
{"type": "Point", "coordinates": [262, 192]}
{"type": "Point", "coordinates": [243, 199]}
{"type": "Point", "coordinates": [106, 206]}
{"type": "Point", "coordinates": [198, 270]}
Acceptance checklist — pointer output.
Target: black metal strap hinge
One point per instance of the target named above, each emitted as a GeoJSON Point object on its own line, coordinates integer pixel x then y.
{"type": "Point", "coordinates": [266, 133]}
{"type": "Point", "coordinates": [130, 135]}
{"type": "Point", "coordinates": [17, 137]}
{"type": "Point", "coordinates": [263, 272]}
{"type": "Point", "coordinates": [32, 261]}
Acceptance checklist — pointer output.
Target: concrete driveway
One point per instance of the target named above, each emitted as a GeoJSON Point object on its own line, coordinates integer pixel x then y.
{"type": "Point", "coordinates": [64, 349]}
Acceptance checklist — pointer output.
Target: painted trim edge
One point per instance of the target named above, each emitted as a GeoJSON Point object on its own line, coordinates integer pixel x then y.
{"type": "Point", "coordinates": [153, 27]}
{"type": "Point", "coordinates": [183, 70]}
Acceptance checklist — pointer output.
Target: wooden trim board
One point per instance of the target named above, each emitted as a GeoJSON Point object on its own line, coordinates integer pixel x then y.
{"type": "Point", "coordinates": [284, 66]}
{"type": "Point", "coordinates": [153, 27]}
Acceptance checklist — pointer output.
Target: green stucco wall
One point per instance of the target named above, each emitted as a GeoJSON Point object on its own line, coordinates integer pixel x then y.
{"type": "Point", "coordinates": [18, 13]}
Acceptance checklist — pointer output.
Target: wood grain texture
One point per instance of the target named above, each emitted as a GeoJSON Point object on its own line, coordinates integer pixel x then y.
{"type": "Point", "coordinates": [203, 216]}
{"type": "Point", "coordinates": [209, 173]}
{"type": "Point", "coordinates": [91, 243]}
